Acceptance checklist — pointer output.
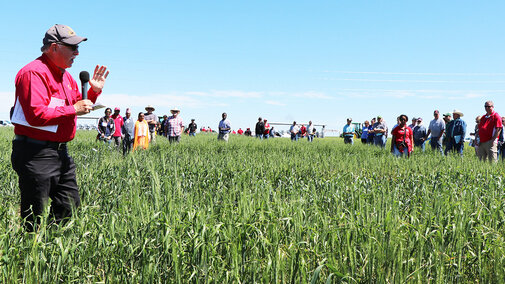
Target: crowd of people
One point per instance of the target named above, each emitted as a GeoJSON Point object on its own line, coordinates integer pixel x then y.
{"type": "Point", "coordinates": [128, 134]}
{"type": "Point", "coordinates": [444, 134]}
{"type": "Point", "coordinates": [131, 135]}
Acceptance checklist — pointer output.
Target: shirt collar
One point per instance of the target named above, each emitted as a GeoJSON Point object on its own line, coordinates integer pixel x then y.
{"type": "Point", "coordinates": [55, 70]}
{"type": "Point", "coordinates": [489, 115]}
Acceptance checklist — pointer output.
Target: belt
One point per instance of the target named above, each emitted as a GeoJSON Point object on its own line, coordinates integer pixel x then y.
{"type": "Point", "coordinates": [51, 144]}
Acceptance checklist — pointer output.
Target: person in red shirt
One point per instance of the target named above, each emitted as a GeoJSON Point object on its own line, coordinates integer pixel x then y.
{"type": "Point", "coordinates": [303, 130]}
{"type": "Point", "coordinates": [267, 129]}
{"type": "Point", "coordinates": [47, 103]}
{"type": "Point", "coordinates": [118, 122]}
{"type": "Point", "coordinates": [402, 138]}
{"type": "Point", "coordinates": [490, 126]}
{"type": "Point", "coordinates": [240, 131]}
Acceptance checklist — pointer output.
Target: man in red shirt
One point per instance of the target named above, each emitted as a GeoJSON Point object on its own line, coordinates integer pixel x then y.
{"type": "Point", "coordinates": [240, 131]}
{"type": "Point", "coordinates": [303, 130]}
{"type": "Point", "coordinates": [47, 103]}
{"type": "Point", "coordinates": [118, 123]}
{"type": "Point", "coordinates": [490, 126]}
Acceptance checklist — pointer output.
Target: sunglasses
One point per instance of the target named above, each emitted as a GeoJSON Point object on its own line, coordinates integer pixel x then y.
{"type": "Point", "coordinates": [488, 106]}
{"type": "Point", "coordinates": [72, 47]}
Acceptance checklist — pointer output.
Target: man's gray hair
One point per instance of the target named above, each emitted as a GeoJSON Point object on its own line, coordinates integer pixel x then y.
{"type": "Point", "coordinates": [45, 47]}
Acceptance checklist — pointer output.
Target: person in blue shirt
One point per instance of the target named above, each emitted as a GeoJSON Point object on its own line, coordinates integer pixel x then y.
{"type": "Point", "coordinates": [455, 134]}
{"type": "Point", "coordinates": [371, 134]}
{"type": "Point", "coordinates": [348, 132]}
{"type": "Point", "coordinates": [380, 130]}
{"type": "Point", "coordinates": [420, 132]}
{"type": "Point", "coordinates": [364, 134]}
{"type": "Point", "coordinates": [224, 128]}
{"type": "Point", "coordinates": [501, 143]}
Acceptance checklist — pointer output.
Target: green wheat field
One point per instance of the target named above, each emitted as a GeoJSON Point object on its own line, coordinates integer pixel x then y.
{"type": "Point", "coordinates": [250, 211]}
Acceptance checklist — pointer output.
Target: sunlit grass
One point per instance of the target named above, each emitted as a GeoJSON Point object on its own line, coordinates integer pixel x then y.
{"type": "Point", "coordinates": [263, 211]}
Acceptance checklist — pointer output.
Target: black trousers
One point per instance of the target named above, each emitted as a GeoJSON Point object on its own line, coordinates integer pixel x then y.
{"type": "Point", "coordinates": [127, 144]}
{"type": "Point", "coordinates": [173, 139]}
{"type": "Point", "coordinates": [44, 172]}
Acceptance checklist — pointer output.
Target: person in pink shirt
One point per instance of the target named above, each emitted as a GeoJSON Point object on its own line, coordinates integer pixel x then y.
{"type": "Point", "coordinates": [118, 122]}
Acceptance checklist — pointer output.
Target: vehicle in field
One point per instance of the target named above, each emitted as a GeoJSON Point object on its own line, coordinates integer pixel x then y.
{"type": "Point", "coordinates": [5, 123]}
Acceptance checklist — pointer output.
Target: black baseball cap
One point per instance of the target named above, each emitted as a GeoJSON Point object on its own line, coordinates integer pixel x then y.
{"type": "Point", "coordinates": [62, 34]}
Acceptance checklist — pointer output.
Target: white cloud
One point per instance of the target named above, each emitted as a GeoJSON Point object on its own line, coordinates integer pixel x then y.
{"type": "Point", "coordinates": [473, 96]}
{"type": "Point", "coordinates": [421, 94]}
{"type": "Point", "coordinates": [313, 95]}
{"type": "Point", "coordinates": [412, 81]}
{"type": "Point", "coordinates": [275, 103]}
{"type": "Point", "coordinates": [226, 94]}
{"type": "Point", "coordinates": [414, 73]}
{"type": "Point", "coordinates": [157, 100]}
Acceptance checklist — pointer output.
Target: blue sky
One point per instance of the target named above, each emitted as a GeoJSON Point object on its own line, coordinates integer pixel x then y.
{"type": "Point", "coordinates": [282, 60]}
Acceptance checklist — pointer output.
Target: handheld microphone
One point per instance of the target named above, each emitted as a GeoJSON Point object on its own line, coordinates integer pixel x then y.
{"type": "Point", "coordinates": [84, 76]}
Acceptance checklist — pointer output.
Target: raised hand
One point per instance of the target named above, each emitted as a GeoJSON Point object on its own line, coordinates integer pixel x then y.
{"type": "Point", "coordinates": [99, 76]}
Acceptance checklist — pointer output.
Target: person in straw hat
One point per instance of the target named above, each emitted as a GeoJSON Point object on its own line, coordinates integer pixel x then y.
{"type": "Point", "coordinates": [455, 133]}
{"type": "Point", "coordinates": [174, 126]}
{"type": "Point", "coordinates": [152, 121]}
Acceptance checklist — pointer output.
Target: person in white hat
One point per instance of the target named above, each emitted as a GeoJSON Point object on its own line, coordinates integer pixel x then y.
{"type": "Point", "coordinates": [174, 126]}
{"type": "Point", "coordinates": [455, 133]}
{"type": "Point", "coordinates": [420, 132]}
{"type": "Point", "coordinates": [152, 121]}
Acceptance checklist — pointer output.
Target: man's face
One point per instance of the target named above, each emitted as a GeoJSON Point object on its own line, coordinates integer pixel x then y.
{"type": "Point", "coordinates": [224, 115]}
{"type": "Point", "coordinates": [456, 116]}
{"type": "Point", "coordinates": [116, 112]}
{"type": "Point", "coordinates": [489, 108]}
{"type": "Point", "coordinates": [63, 55]}
{"type": "Point", "coordinates": [349, 122]}
{"type": "Point", "coordinates": [436, 114]}
{"type": "Point", "coordinates": [128, 114]}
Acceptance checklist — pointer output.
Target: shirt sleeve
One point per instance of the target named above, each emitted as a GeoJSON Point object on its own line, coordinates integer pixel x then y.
{"type": "Point", "coordinates": [34, 94]}
{"type": "Point", "coordinates": [499, 124]}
